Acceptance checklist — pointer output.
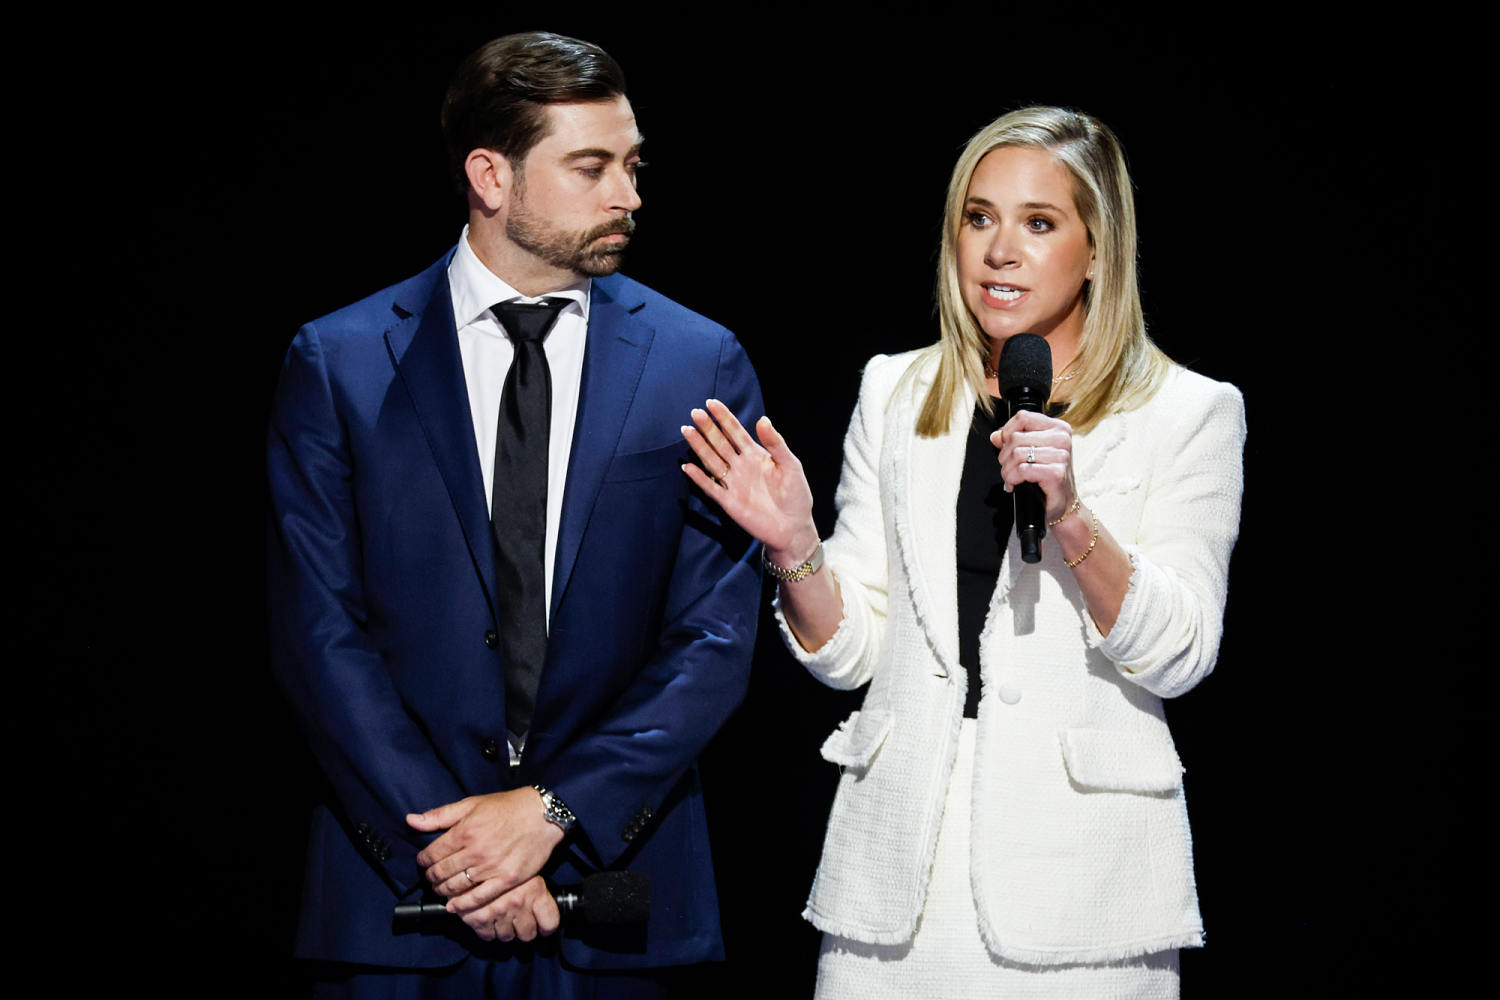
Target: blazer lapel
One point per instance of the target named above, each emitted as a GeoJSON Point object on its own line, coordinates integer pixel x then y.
{"type": "Point", "coordinates": [926, 525]}
{"type": "Point", "coordinates": [424, 346]}
{"type": "Point", "coordinates": [615, 356]}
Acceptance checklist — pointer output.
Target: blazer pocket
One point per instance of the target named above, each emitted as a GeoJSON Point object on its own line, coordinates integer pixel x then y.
{"type": "Point", "coordinates": [857, 739]}
{"type": "Point", "coordinates": [1102, 760]}
{"type": "Point", "coordinates": [648, 464]}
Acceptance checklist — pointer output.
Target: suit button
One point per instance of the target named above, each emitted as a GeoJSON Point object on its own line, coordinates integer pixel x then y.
{"type": "Point", "coordinates": [492, 638]}
{"type": "Point", "coordinates": [1009, 695]}
{"type": "Point", "coordinates": [490, 749]}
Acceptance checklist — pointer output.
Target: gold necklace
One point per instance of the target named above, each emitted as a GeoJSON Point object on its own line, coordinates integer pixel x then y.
{"type": "Point", "coordinates": [1067, 376]}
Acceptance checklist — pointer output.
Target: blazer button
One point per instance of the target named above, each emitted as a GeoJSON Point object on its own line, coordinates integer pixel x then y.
{"type": "Point", "coordinates": [492, 638]}
{"type": "Point", "coordinates": [1009, 695]}
{"type": "Point", "coordinates": [490, 748]}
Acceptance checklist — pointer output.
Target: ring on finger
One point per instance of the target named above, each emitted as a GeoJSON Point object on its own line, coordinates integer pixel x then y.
{"type": "Point", "coordinates": [469, 877]}
{"type": "Point", "coordinates": [1030, 455]}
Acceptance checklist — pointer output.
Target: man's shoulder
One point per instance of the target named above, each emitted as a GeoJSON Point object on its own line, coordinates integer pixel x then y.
{"type": "Point", "coordinates": [663, 314]}
{"type": "Point", "coordinates": [378, 312]}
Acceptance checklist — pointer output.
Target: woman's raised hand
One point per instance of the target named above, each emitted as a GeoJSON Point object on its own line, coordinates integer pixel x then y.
{"type": "Point", "coordinates": [760, 485]}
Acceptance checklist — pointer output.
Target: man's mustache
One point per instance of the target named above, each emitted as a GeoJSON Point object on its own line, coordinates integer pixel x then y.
{"type": "Point", "coordinates": [623, 226]}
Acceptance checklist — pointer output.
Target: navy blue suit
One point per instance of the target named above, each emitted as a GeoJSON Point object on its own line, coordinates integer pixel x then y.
{"type": "Point", "coordinates": [384, 623]}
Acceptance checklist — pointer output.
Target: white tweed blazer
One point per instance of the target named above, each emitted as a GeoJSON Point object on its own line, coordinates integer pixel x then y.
{"type": "Point", "coordinates": [1081, 850]}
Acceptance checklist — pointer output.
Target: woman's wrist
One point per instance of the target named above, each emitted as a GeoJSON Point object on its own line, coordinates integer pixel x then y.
{"type": "Point", "coordinates": [1093, 541]}
{"type": "Point", "coordinates": [1076, 534]}
{"type": "Point", "coordinates": [1059, 519]}
{"type": "Point", "coordinates": [797, 549]}
{"type": "Point", "coordinates": [799, 572]}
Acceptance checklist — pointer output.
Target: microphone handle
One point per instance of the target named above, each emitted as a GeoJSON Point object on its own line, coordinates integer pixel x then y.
{"type": "Point", "coordinates": [421, 918]}
{"type": "Point", "coordinates": [430, 917]}
{"type": "Point", "coordinates": [1030, 502]}
{"type": "Point", "coordinates": [618, 897]}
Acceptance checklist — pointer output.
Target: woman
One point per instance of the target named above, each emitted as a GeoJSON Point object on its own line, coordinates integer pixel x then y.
{"type": "Point", "coordinates": [1010, 817]}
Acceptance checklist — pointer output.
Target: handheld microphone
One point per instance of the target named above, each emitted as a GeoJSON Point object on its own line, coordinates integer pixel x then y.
{"type": "Point", "coordinates": [1024, 375]}
{"type": "Point", "coordinates": [605, 899]}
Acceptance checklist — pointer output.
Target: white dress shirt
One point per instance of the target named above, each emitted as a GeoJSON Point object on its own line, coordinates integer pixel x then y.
{"type": "Point", "coordinates": [487, 352]}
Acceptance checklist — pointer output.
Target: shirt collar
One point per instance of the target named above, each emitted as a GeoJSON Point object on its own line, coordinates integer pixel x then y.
{"type": "Point", "coordinates": [476, 288]}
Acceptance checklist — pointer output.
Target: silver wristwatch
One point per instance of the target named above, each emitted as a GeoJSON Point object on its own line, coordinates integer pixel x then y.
{"type": "Point", "coordinates": [554, 810]}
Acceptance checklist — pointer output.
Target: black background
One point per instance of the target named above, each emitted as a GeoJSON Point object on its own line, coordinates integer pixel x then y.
{"type": "Point", "coordinates": [212, 190]}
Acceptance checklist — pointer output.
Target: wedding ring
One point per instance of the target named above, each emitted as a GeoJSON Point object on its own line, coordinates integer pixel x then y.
{"type": "Point", "coordinates": [1030, 456]}
{"type": "Point", "coordinates": [469, 877]}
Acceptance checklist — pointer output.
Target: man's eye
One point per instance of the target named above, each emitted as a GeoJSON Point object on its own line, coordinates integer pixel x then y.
{"type": "Point", "coordinates": [592, 173]}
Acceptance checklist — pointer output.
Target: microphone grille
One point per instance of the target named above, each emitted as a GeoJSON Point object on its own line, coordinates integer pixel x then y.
{"type": "Point", "coordinates": [616, 898]}
{"type": "Point", "coordinates": [1025, 363]}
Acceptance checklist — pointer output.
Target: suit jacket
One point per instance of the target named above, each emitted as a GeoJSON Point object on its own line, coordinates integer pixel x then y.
{"type": "Point", "coordinates": [385, 628]}
{"type": "Point", "coordinates": [1081, 844]}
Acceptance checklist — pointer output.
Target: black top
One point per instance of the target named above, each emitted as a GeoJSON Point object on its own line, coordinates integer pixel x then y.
{"type": "Point", "coordinates": [985, 514]}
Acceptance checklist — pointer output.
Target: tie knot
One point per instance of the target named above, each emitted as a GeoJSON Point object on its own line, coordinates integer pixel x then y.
{"type": "Point", "coordinates": [528, 320]}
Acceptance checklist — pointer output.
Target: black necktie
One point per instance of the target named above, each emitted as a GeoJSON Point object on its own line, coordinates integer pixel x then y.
{"type": "Point", "coordinates": [518, 507]}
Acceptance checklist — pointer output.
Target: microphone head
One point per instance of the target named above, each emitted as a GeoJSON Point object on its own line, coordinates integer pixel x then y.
{"type": "Point", "coordinates": [616, 898]}
{"type": "Point", "coordinates": [1025, 366]}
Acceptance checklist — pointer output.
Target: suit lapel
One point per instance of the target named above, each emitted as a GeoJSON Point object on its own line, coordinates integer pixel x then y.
{"type": "Point", "coordinates": [926, 525]}
{"type": "Point", "coordinates": [424, 346]}
{"type": "Point", "coordinates": [618, 343]}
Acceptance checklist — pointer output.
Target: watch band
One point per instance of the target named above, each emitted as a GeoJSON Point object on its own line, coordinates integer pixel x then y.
{"type": "Point", "coordinates": [809, 566]}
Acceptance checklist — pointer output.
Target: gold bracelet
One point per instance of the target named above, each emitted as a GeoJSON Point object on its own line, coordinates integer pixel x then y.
{"type": "Point", "coordinates": [1093, 540]}
{"type": "Point", "coordinates": [1077, 502]}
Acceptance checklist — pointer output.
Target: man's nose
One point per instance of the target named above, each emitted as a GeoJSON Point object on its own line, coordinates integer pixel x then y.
{"type": "Point", "coordinates": [623, 195]}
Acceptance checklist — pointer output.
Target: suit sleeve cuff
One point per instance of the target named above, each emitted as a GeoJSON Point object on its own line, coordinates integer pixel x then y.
{"type": "Point", "coordinates": [1133, 644]}
{"type": "Point", "coordinates": [1122, 639]}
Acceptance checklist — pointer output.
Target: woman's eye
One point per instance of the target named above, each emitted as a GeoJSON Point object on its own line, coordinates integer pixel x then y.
{"type": "Point", "coordinates": [977, 219]}
{"type": "Point", "coordinates": [1037, 224]}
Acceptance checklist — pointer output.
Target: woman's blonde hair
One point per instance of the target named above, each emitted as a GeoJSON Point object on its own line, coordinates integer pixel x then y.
{"type": "Point", "coordinates": [1118, 366]}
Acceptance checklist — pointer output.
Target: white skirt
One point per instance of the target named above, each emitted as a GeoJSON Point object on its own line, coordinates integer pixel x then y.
{"type": "Point", "coordinates": [947, 959]}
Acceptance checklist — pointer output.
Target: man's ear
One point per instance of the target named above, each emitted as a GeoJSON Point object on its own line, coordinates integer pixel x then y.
{"type": "Point", "coordinates": [489, 178]}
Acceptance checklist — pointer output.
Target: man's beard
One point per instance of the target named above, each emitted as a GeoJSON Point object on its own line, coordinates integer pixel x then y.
{"type": "Point", "coordinates": [574, 252]}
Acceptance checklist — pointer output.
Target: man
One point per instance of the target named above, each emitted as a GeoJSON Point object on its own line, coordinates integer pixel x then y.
{"type": "Point", "coordinates": [506, 620]}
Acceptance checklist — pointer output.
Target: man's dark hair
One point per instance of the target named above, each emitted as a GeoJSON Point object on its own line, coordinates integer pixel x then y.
{"type": "Point", "coordinates": [498, 96]}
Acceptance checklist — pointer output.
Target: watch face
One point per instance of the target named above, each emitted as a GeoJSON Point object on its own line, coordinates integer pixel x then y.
{"type": "Point", "coordinates": [553, 810]}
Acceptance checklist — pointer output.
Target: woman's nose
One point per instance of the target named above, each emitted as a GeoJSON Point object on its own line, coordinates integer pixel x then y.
{"type": "Point", "coordinates": [1001, 251]}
